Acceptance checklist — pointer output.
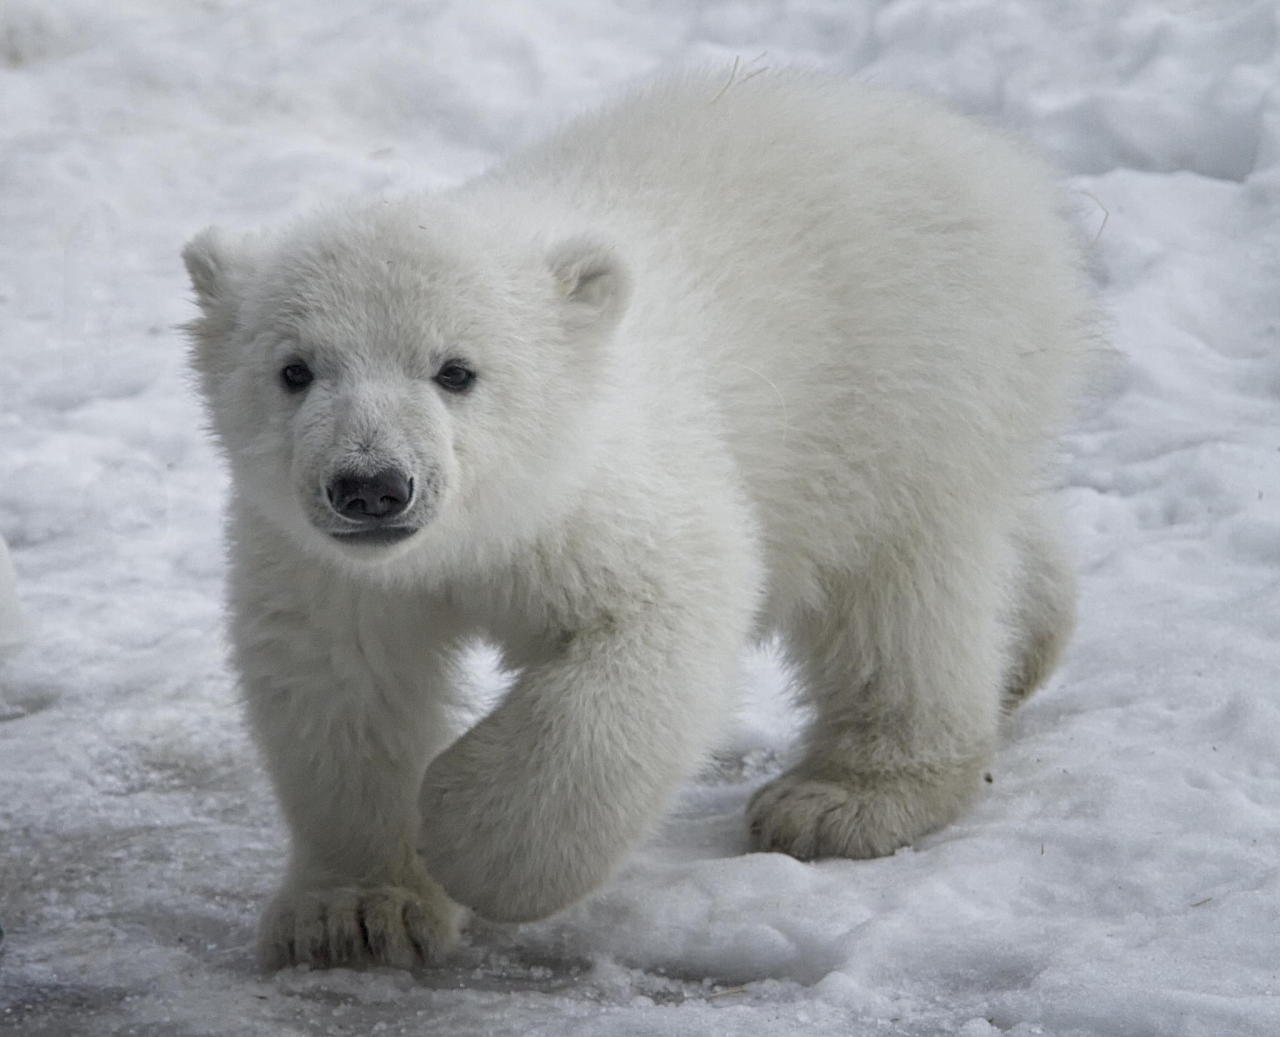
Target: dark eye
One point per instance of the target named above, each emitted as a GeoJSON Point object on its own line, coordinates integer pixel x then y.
{"type": "Point", "coordinates": [455, 377]}
{"type": "Point", "coordinates": [296, 376]}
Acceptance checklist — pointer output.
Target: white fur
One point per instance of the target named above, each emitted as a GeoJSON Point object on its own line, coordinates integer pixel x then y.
{"type": "Point", "coordinates": [778, 358]}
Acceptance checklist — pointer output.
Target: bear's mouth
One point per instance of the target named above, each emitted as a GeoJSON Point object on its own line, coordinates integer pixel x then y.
{"type": "Point", "coordinates": [378, 536]}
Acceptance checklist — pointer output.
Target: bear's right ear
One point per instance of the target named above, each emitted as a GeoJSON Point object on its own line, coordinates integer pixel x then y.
{"type": "Point", "coordinates": [218, 269]}
{"type": "Point", "coordinates": [208, 263]}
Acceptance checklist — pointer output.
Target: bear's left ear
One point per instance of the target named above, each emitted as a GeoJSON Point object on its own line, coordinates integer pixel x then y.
{"type": "Point", "coordinates": [593, 282]}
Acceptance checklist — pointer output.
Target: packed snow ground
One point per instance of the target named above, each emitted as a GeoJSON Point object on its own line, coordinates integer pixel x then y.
{"type": "Point", "coordinates": [1121, 876]}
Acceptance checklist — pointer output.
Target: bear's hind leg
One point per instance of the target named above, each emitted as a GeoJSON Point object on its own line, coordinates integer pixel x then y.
{"type": "Point", "coordinates": [1042, 612]}
{"type": "Point", "coordinates": [903, 665]}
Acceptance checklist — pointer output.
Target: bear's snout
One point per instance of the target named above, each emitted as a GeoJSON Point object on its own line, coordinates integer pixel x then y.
{"type": "Point", "coordinates": [370, 498]}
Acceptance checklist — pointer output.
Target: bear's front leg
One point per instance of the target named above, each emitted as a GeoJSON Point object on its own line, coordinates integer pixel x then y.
{"type": "Point", "coordinates": [346, 742]}
{"type": "Point", "coordinates": [533, 808]}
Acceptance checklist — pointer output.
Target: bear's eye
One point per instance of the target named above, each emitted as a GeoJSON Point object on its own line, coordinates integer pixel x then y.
{"type": "Point", "coordinates": [296, 376]}
{"type": "Point", "coordinates": [455, 377]}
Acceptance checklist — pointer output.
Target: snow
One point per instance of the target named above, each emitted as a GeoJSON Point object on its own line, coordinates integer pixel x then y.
{"type": "Point", "coordinates": [1121, 874]}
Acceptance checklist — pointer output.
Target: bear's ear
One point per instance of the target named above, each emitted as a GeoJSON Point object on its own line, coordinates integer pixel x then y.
{"type": "Point", "coordinates": [217, 272]}
{"type": "Point", "coordinates": [211, 265]}
{"type": "Point", "coordinates": [593, 282]}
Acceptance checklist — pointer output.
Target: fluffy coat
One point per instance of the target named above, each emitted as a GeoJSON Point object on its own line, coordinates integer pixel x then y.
{"type": "Point", "coordinates": [775, 357]}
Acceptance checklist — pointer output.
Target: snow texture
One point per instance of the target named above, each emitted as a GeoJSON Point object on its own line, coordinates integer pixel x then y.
{"type": "Point", "coordinates": [1121, 873]}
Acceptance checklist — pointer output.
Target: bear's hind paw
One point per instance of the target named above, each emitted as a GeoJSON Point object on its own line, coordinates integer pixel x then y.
{"type": "Point", "coordinates": [857, 816]}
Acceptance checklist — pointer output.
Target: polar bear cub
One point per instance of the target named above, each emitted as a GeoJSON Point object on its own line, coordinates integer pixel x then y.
{"type": "Point", "coordinates": [782, 357]}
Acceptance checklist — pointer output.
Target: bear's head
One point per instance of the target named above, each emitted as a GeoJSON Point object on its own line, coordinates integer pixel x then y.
{"type": "Point", "coordinates": [402, 378]}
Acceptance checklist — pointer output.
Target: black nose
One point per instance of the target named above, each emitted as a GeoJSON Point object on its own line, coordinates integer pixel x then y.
{"type": "Point", "coordinates": [365, 498]}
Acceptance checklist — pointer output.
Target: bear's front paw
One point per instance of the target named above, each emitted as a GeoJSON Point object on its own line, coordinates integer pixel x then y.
{"type": "Point", "coordinates": [358, 927]}
{"type": "Point", "coordinates": [855, 814]}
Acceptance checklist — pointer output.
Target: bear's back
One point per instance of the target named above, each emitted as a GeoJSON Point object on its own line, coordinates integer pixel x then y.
{"type": "Point", "coordinates": [828, 263]}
